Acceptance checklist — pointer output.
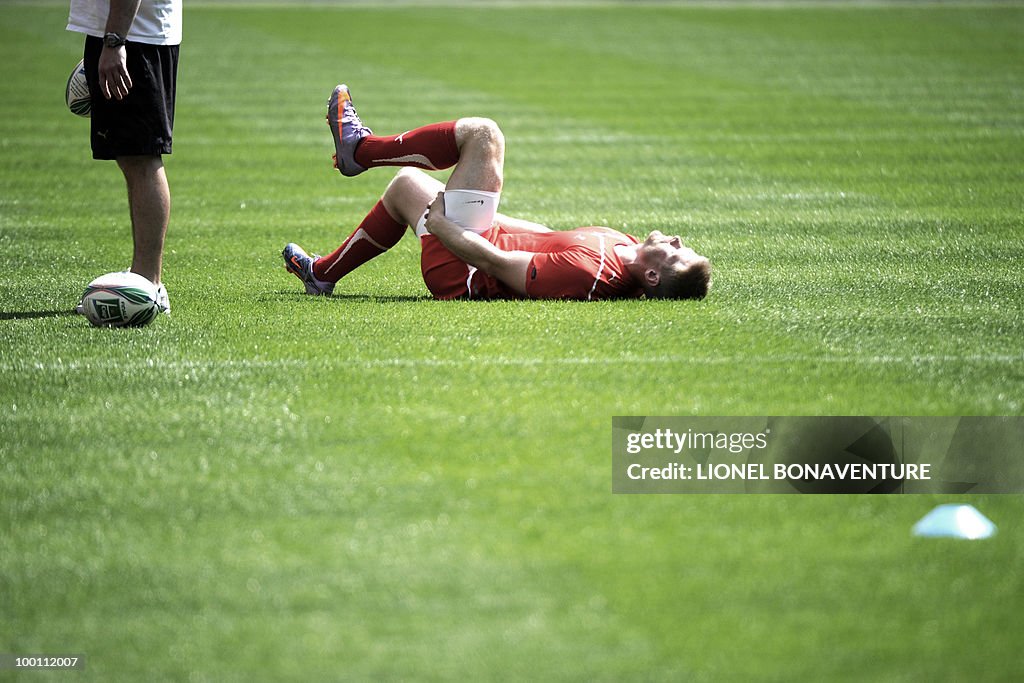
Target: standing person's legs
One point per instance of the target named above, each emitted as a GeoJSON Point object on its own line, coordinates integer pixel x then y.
{"type": "Point", "coordinates": [136, 131]}
{"type": "Point", "coordinates": [149, 203]}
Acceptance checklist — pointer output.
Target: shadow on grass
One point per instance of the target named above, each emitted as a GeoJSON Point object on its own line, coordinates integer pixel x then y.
{"type": "Point", "coordinates": [351, 298]}
{"type": "Point", "coordinates": [342, 298]}
{"type": "Point", "coordinates": [30, 315]}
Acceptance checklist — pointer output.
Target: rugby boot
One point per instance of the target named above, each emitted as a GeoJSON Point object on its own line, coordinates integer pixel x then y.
{"type": "Point", "coordinates": [162, 300]}
{"type": "Point", "coordinates": [300, 264]}
{"type": "Point", "coordinates": [347, 130]}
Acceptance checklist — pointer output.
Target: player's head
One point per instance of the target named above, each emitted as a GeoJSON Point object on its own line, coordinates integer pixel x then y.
{"type": "Point", "coordinates": [672, 270]}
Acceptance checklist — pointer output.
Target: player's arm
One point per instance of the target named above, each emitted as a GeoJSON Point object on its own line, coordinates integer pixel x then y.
{"type": "Point", "coordinates": [508, 266]}
{"type": "Point", "coordinates": [511, 224]}
{"type": "Point", "coordinates": [113, 64]}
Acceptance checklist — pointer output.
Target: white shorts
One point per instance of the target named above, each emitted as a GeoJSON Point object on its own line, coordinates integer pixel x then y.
{"type": "Point", "coordinates": [472, 209]}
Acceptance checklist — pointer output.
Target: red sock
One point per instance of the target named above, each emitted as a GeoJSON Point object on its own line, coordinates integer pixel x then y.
{"type": "Point", "coordinates": [376, 234]}
{"type": "Point", "coordinates": [430, 147]}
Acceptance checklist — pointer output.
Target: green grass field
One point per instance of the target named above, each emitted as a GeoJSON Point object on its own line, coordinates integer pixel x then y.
{"type": "Point", "coordinates": [378, 486]}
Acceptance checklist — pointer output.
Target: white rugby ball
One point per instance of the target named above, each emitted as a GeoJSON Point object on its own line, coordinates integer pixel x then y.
{"type": "Point", "coordinates": [121, 299]}
{"type": "Point", "coordinates": [76, 94]}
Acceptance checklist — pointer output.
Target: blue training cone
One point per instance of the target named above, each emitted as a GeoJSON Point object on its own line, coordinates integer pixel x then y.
{"type": "Point", "coordinates": [955, 521]}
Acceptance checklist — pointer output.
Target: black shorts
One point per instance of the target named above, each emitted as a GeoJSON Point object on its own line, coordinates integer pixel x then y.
{"type": "Point", "coordinates": [141, 123]}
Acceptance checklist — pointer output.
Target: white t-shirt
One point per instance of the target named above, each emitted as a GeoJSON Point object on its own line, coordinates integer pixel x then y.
{"type": "Point", "coordinates": [158, 22]}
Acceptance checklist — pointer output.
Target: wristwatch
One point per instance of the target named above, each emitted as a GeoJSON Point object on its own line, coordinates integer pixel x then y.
{"type": "Point", "coordinates": [112, 39]}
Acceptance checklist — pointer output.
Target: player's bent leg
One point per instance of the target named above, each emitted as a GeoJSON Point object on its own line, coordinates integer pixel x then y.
{"type": "Point", "coordinates": [380, 230]}
{"type": "Point", "coordinates": [412, 190]}
{"type": "Point", "coordinates": [409, 194]}
{"type": "Point", "coordinates": [474, 188]}
{"type": "Point", "coordinates": [474, 210]}
{"type": "Point", "coordinates": [481, 156]}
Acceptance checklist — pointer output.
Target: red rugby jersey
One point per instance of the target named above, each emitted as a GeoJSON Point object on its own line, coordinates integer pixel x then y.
{"type": "Point", "coordinates": [573, 264]}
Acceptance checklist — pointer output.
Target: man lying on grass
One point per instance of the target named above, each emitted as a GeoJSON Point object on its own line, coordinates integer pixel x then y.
{"type": "Point", "coordinates": [469, 250]}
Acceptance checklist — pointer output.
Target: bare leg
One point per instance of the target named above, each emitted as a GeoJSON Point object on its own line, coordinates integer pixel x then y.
{"type": "Point", "coordinates": [409, 194]}
{"type": "Point", "coordinates": [149, 203]}
{"type": "Point", "coordinates": [481, 156]}
{"type": "Point", "coordinates": [480, 167]}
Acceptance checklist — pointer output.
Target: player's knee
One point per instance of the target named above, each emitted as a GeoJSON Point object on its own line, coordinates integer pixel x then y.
{"type": "Point", "coordinates": [488, 130]}
{"type": "Point", "coordinates": [481, 131]}
{"type": "Point", "coordinates": [406, 181]}
{"type": "Point", "coordinates": [406, 178]}
{"type": "Point", "coordinates": [408, 193]}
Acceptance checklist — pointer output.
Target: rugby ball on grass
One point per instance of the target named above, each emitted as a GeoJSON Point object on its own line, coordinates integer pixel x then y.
{"type": "Point", "coordinates": [121, 299]}
{"type": "Point", "coordinates": [76, 94]}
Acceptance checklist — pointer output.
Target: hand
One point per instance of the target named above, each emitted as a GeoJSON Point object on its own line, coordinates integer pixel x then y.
{"type": "Point", "coordinates": [435, 212]}
{"type": "Point", "coordinates": [113, 73]}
